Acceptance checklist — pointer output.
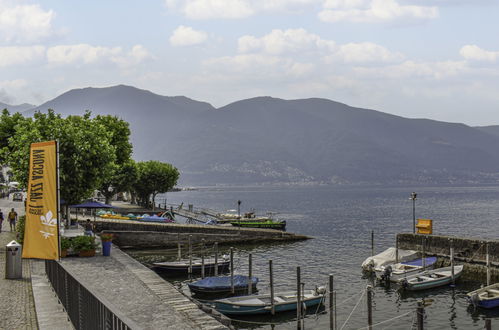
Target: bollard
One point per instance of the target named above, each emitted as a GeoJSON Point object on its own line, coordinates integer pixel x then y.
{"type": "Point", "coordinates": [331, 300]}
{"type": "Point", "coordinates": [13, 260]}
{"type": "Point", "coordinates": [369, 307]}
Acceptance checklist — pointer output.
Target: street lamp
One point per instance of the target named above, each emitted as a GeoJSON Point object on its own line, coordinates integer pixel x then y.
{"type": "Point", "coordinates": [413, 197]}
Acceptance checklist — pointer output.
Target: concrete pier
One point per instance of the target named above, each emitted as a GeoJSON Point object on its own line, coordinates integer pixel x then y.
{"type": "Point", "coordinates": [468, 251]}
{"type": "Point", "coordinates": [135, 291]}
{"type": "Point", "coordinates": [136, 234]}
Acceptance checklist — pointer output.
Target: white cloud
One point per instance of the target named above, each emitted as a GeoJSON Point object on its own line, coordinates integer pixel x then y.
{"type": "Point", "coordinates": [234, 9]}
{"type": "Point", "coordinates": [20, 55]}
{"type": "Point", "coordinates": [24, 22]}
{"type": "Point", "coordinates": [374, 11]}
{"type": "Point", "coordinates": [16, 83]}
{"type": "Point", "coordinates": [187, 36]}
{"type": "Point", "coordinates": [284, 41]}
{"type": "Point", "coordinates": [365, 52]}
{"type": "Point", "coordinates": [475, 53]}
{"type": "Point", "coordinates": [413, 69]}
{"type": "Point", "coordinates": [259, 65]}
{"type": "Point", "coordinates": [88, 54]}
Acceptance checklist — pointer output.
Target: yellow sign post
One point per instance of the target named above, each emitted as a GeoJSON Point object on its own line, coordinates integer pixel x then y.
{"type": "Point", "coordinates": [41, 232]}
{"type": "Point", "coordinates": [425, 226]}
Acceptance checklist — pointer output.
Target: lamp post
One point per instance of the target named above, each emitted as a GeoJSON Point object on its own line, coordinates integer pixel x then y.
{"type": "Point", "coordinates": [413, 197]}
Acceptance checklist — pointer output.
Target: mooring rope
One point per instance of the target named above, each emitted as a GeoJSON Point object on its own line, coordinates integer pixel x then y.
{"type": "Point", "coordinates": [353, 310]}
{"type": "Point", "coordinates": [389, 320]}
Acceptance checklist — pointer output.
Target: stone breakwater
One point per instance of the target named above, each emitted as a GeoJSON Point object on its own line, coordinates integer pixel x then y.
{"type": "Point", "coordinates": [136, 234]}
{"type": "Point", "coordinates": [468, 251]}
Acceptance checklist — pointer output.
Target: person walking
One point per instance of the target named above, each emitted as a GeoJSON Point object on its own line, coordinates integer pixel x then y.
{"type": "Point", "coordinates": [1, 220]}
{"type": "Point", "coordinates": [12, 219]}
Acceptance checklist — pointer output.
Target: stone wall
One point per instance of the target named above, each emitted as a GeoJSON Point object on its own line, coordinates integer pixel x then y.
{"type": "Point", "coordinates": [143, 235]}
{"type": "Point", "coordinates": [468, 251]}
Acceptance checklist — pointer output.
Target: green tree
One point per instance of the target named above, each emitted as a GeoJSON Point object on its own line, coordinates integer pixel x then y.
{"type": "Point", "coordinates": [8, 124]}
{"type": "Point", "coordinates": [123, 172]}
{"type": "Point", "coordinates": [86, 155]}
{"type": "Point", "coordinates": [154, 178]}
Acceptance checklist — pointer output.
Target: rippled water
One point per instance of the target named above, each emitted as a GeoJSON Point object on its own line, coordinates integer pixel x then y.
{"type": "Point", "coordinates": [341, 220]}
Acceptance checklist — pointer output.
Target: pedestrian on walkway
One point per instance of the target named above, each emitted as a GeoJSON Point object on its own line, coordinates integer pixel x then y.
{"type": "Point", "coordinates": [89, 228]}
{"type": "Point", "coordinates": [1, 220]}
{"type": "Point", "coordinates": [12, 219]}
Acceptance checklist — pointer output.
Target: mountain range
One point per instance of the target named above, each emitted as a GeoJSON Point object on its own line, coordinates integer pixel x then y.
{"type": "Point", "coordinates": [305, 141]}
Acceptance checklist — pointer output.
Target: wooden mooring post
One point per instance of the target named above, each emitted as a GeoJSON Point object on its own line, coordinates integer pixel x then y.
{"type": "Point", "coordinates": [372, 243]}
{"type": "Point", "coordinates": [396, 249]}
{"type": "Point", "coordinates": [488, 324]}
{"type": "Point", "coordinates": [420, 315]}
{"type": "Point", "coordinates": [190, 257]}
{"type": "Point", "coordinates": [232, 270]}
{"type": "Point", "coordinates": [179, 251]}
{"type": "Point", "coordinates": [298, 298]}
{"type": "Point", "coordinates": [250, 274]}
{"type": "Point", "coordinates": [202, 258]}
{"type": "Point", "coordinates": [487, 261]}
{"type": "Point", "coordinates": [332, 308]}
{"type": "Point", "coordinates": [216, 258]}
{"type": "Point", "coordinates": [451, 244]}
{"type": "Point", "coordinates": [271, 275]}
{"type": "Point", "coordinates": [423, 252]}
{"type": "Point", "coordinates": [370, 307]}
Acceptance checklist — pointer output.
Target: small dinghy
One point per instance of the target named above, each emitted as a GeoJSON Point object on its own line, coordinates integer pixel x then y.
{"type": "Point", "coordinates": [182, 266]}
{"type": "Point", "coordinates": [487, 297]}
{"type": "Point", "coordinates": [431, 278]}
{"type": "Point", "coordinates": [222, 284]}
{"type": "Point", "coordinates": [388, 257]}
{"type": "Point", "coordinates": [261, 304]}
{"type": "Point", "coordinates": [396, 272]}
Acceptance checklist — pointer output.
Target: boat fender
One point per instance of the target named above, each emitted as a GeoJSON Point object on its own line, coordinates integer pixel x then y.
{"type": "Point", "coordinates": [404, 283]}
{"type": "Point", "coordinates": [320, 290]}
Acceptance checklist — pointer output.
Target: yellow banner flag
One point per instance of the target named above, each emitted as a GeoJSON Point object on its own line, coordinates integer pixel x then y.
{"type": "Point", "coordinates": [41, 232]}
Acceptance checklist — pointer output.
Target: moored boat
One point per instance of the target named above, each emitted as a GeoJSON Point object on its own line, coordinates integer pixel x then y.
{"type": "Point", "coordinates": [270, 224]}
{"type": "Point", "coordinates": [182, 266]}
{"type": "Point", "coordinates": [223, 284]}
{"type": "Point", "coordinates": [261, 303]}
{"type": "Point", "coordinates": [486, 297]}
{"type": "Point", "coordinates": [431, 278]}
{"type": "Point", "coordinates": [396, 272]}
{"type": "Point", "coordinates": [388, 257]}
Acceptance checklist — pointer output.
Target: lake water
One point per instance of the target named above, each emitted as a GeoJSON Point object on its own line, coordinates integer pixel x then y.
{"type": "Point", "coordinates": [341, 220]}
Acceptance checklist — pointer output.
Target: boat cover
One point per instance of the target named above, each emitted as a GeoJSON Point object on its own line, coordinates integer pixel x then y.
{"type": "Point", "coordinates": [419, 262]}
{"type": "Point", "coordinates": [155, 218]}
{"type": "Point", "coordinates": [222, 282]}
{"type": "Point", "coordinates": [388, 257]}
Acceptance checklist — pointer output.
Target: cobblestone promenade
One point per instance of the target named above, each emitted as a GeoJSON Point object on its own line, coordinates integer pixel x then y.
{"type": "Point", "coordinates": [17, 308]}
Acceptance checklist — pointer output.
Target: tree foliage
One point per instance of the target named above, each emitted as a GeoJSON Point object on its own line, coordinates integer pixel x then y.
{"type": "Point", "coordinates": [153, 178]}
{"type": "Point", "coordinates": [86, 155]}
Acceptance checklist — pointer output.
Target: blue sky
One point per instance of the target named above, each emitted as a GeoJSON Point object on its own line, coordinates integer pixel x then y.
{"type": "Point", "coordinates": [436, 59]}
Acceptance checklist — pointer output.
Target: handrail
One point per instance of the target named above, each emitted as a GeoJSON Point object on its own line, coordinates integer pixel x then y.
{"type": "Point", "coordinates": [86, 308]}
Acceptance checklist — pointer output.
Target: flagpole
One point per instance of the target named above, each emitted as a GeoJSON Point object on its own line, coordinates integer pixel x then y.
{"type": "Point", "coordinates": [58, 199]}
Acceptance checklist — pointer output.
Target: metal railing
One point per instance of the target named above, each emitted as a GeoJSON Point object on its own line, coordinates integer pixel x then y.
{"type": "Point", "coordinates": [84, 308]}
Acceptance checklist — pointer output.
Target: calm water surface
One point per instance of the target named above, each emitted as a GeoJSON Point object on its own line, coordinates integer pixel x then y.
{"type": "Point", "coordinates": [341, 220]}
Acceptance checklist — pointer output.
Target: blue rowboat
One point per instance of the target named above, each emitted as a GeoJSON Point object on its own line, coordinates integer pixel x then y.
{"type": "Point", "coordinates": [261, 303]}
{"type": "Point", "coordinates": [222, 284]}
{"type": "Point", "coordinates": [431, 278]}
{"type": "Point", "coordinates": [487, 297]}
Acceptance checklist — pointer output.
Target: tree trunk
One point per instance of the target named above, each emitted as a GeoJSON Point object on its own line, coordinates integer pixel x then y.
{"type": "Point", "coordinates": [153, 201]}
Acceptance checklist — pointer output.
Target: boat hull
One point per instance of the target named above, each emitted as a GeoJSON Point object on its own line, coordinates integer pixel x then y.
{"type": "Point", "coordinates": [230, 309]}
{"type": "Point", "coordinates": [196, 269]}
{"type": "Point", "coordinates": [222, 285]}
{"type": "Point", "coordinates": [253, 224]}
{"type": "Point", "coordinates": [411, 268]}
{"type": "Point", "coordinates": [486, 297]}
{"type": "Point", "coordinates": [424, 280]}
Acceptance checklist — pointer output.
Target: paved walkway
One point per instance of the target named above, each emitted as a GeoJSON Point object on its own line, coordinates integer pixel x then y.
{"type": "Point", "coordinates": [17, 307]}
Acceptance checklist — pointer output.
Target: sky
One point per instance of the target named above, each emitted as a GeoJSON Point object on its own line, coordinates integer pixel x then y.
{"type": "Point", "coordinates": [436, 59]}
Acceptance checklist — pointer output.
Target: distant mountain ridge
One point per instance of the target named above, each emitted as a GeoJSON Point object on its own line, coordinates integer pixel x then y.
{"type": "Point", "coordinates": [270, 140]}
{"type": "Point", "coordinates": [16, 108]}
